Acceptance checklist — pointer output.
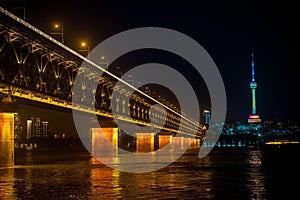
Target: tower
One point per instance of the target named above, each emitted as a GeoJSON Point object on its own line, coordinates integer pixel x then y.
{"type": "Point", "coordinates": [253, 117]}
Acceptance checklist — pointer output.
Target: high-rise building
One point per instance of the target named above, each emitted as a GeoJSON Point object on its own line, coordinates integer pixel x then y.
{"type": "Point", "coordinates": [206, 117]}
{"type": "Point", "coordinates": [18, 126]}
{"type": "Point", "coordinates": [253, 117]}
{"type": "Point", "coordinates": [44, 129]}
{"type": "Point", "coordinates": [29, 129]}
{"type": "Point", "coordinates": [37, 128]}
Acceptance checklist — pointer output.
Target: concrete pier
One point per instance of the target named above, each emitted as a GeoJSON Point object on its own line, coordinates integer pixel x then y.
{"type": "Point", "coordinates": [105, 143]}
{"type": "Point", "coordinates": [195, 143]}
{"type": "Point", "coordinates": [164, 140]}
{"type": "Point", "coordinates": [7, 146]}
{"type": "Point", "coordinates": [144, 142]}
{"type": "Point", "coordinates": [178, 143]}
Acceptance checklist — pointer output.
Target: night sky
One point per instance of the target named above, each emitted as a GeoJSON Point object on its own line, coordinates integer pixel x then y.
{"type": "Point", "coordinates": [228, 31]}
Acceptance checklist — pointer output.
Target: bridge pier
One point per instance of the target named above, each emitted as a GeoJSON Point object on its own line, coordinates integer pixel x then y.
{"type": "Point", "coordinates": [186, 142]}
{"type": "Point", "coordinates": [178, 143]}
{"type": "Point", "coordinates": [195, 143]}
{"type": "Point", "coordinates": [7, 147]}
{"type": "Point", "coordinates": [164, 140]}
{"type": "Point", "coordinates": [144, 142]}
{"type": "Point", "coordinates": [105, 143]}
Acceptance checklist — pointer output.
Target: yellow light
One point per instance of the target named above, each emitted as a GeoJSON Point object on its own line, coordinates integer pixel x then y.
{"type": "Point", "coordinates": [102, 57]}
{"type": "Point", "coordinates": [144, 142]}
{"type": "Point", "coordinates": [83, 44]}
{"type": "Point", "coordinates": [56, 26]}
{"type": "Point", "coordinates": [105, 142]}
{"type": "Point", "coordinates": [283, 142]}
{"type": "Point", "coordinates": [164, 140]}
{"type": "Point", "coordinates": [7, 139]}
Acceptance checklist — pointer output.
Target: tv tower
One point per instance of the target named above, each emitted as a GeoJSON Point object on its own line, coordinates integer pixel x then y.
{"type": "Point", "coordinates": [253, 117]}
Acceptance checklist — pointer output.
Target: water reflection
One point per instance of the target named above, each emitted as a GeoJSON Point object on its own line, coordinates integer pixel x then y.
{"type": "Point", "coordinates": [177, 180]}
{"type": "Point", "coordinates": [51, 181]}
{"type": "Point", "coordinates": [104, 180]}
{"type": "Point", "coordinates": [256, 175]}
{"type": "Point", "coordinates": [224, 174]}
{"type": "Point", "coordinates": [6, 183]}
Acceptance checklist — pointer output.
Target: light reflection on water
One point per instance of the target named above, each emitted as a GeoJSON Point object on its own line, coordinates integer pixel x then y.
{"type": "Point", "coordinates": [6, 183]}
{"type": "Point", "coordinates": [256, 176]}
{"type": "Point", "coordinates": [224, 174]}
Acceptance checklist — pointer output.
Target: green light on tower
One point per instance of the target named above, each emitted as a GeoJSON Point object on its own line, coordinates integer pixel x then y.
{"type": "Point", "coordinates": [253, 85]}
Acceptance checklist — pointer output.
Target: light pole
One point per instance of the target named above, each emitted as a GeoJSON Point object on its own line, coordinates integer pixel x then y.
{"type": "Point", "coordinates": [130, 80]}
{"type": "Point", "coordinates": [104, 61]}
{"type": "Point", "coordinates": [59, 30]}
{"type": "Point", "coordinates": [85, 48]}
{"type": "Point", "coordinates": [119, 73]}
{"type": "Point", "coordinates": [141, 87]}
{"type": "Point", "coordinates": [147, 90]}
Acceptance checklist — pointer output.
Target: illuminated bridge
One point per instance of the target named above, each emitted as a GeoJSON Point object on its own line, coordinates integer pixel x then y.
{"type": "Point", "coordinates": [36, 67]}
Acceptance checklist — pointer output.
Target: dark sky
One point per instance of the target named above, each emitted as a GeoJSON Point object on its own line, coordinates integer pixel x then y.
{"type": "Point", "coordinates": [229, 31]}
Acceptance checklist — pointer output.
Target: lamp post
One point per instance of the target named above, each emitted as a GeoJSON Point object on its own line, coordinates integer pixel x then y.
{"type": "Point", "coordinates": [141, 87]}
{"type": "Point", "coordinates": [147, 90]}
{"type": "Point", "coordinates": [85, 48]}
{"type": "Point", "coordinates": [130, 80]}
{"type": "Point", "coordinates": [104, 61]}
{"type": "Point", "coordinates": [118, 71]}
{"type": "Point", "coordinates": [59, 30]}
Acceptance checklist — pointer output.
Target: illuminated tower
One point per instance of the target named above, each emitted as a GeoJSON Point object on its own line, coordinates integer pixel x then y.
{"type": "Point", "coordinates": [254, 117]}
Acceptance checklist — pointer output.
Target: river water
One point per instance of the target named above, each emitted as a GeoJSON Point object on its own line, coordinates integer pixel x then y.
{"type": "Point", "coordinates": [226, 173]}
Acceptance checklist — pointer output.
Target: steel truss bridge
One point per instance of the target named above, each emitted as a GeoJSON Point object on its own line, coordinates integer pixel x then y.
{"type": "Point", "coordinates": [36, 67]}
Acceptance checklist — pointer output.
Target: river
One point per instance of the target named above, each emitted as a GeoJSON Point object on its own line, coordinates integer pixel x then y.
{"type": "Point", "coordinates": [226, 173]}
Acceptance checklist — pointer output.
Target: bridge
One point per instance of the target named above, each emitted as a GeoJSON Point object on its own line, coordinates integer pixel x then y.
{"type": "Point", "coordinates": [36, 67]}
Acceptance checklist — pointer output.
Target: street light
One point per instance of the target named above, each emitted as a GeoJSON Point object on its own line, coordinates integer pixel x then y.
{"type": "Point", "coordinates": [130, 80]}
{"type": "Point", "coordinates": [140, 86]}
{"type": "Point", "coordinates": [85, 48]}
{"type": "Point", "coordinates": [59, 30]}
{"type": "Point", "coordinates": [104, 61]}
{"type": "Point", "coordinates": [119, 72]}
{"type": "Point", "coordinates": [147, 90]}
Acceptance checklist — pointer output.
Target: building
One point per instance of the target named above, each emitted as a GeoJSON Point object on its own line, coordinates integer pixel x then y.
{"type": "Point", "coordinates": [253, 117]}
{"type": "Point", "coordinates": [206, 117]}
{"type": "Point", "coordinates": [37, 128]}
{"type": "Point", "coordinates": [18, 127]}
{"type": "Point", "coordinates": [44, 130]}
{"type": "Point", "coordinates": [29, 129]}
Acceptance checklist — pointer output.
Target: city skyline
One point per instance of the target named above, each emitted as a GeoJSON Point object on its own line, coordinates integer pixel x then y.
{"type": "Point", "coordinates": [257, 28]}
